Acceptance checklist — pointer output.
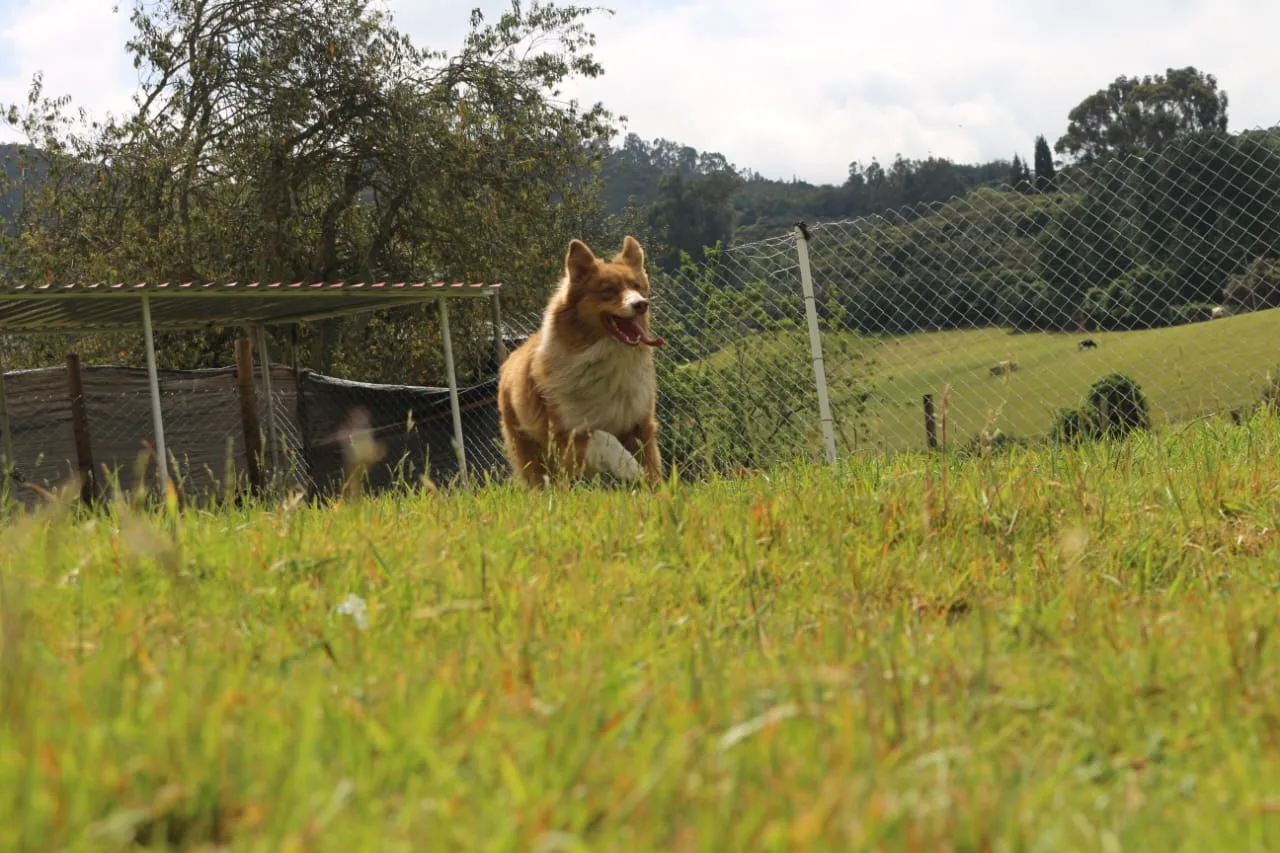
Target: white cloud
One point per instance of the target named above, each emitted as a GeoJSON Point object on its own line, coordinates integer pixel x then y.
{"type": "Point", "coordinates": [77, 44]}
{"type": "Point", "coordinates": [798, 88]}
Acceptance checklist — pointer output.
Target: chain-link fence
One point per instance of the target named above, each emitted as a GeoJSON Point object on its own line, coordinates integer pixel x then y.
{"type": "Point", "coordinates": [1143, 289]}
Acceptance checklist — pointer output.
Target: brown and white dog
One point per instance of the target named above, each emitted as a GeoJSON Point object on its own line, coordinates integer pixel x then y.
{"type": "Point", "coordinates": [577, 398]}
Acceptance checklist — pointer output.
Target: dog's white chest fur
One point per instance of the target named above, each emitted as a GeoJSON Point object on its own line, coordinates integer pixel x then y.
{"type": "Point", "coordinates": [605, 387]}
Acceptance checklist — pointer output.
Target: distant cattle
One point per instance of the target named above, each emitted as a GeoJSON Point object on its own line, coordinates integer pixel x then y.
{"type": "Point", "coordinates": [1087, 343]}
{"type": "Point", "coordinates": [1003, 368]}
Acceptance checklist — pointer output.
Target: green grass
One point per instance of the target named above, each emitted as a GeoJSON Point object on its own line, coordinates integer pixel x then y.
{"type": "Point", "coordinates": [1186, 371]}
{"type": "Point", "coordinates": [1049, 650]}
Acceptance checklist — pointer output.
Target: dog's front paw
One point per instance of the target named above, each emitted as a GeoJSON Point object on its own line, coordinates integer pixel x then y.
{"type": "Point", "coordinates": [605, 454]}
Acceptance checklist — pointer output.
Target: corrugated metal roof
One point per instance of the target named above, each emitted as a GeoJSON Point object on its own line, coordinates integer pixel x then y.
{"type": "Point", "coordinates": [192, 305]}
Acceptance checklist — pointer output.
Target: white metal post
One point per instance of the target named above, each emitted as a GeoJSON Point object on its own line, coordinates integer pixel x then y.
{"type": "Point", "coordinates": [815, 343]}
{"type": "Point", "coordinates": [7, 462]}
{"type": "Point", "coordinates": [453, 389]}
{"type": "Point", "coordinates": [260, 332]}
{"type": "Point", "coordinates": [495, 314]}
{"type": "Point", "coordinates": [153, 381]}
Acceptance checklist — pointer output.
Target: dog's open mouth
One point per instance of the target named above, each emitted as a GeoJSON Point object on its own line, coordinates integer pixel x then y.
{"type": "Point", "coordinates": [629, 332]}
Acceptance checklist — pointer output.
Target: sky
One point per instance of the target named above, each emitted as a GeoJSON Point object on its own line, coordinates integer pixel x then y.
{"type": "Point", "coordinates": [791, 88]}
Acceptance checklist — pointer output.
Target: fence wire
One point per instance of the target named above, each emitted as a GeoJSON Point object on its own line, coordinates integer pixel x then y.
{"type": "Point", "coordinates": [1143, 290]}
{"type": "Point", "coordinates": [1138, 291]}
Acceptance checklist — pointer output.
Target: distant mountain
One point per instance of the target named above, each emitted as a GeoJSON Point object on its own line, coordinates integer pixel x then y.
{"type": "Point", "coordinates": [762, 206]}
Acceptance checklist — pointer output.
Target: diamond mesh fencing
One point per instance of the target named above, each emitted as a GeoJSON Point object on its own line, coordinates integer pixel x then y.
{"type": "Point", "coordinates": [1136, 292]}
{"type": "Point", "coordinates": [735, 379]}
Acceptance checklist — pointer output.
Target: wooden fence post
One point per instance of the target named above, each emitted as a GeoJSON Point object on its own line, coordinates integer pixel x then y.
{"type": "Point", "coordinates": [930, 424]}
{"type": "Point", "coordinates": [80, 430]}
{"type": "Point", "coordinates": [249, 411]}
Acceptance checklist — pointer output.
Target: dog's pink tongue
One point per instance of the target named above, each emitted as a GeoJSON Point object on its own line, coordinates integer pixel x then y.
{"type": "Point", "coordinates": [637, 332]}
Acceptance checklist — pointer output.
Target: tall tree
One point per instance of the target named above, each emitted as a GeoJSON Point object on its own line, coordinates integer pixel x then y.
{"type": "Point", "coordinates": [1044, 166]}
{"type": "Point", "coordinates": [1019, 175]}
{"type": "Point", "coordinates": [692, 213]}
{"type": "Point", "coordinates": [1133, 114]}
{"type": "Point", "coordinates": [309, 139]}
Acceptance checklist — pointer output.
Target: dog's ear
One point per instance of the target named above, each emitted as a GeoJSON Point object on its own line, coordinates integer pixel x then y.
{"type": "Point", "coordinates": [580, 262]}
{"type": "Point", "coordinates": [631, 255]}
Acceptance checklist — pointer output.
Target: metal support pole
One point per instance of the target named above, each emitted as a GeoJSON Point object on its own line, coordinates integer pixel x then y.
{"type": "Point", "coordinates": [815, 342]}
{"type": "Point", "coordinates": [453, 389]}
{"type": "Point", "coordinates": [7, 463]}
{"type": "Point", "coordinates": [264, 361]}
{"type": "Point", "coordinates": [153, 382]}
{"type": "Point", "coordinates": [495, 314]}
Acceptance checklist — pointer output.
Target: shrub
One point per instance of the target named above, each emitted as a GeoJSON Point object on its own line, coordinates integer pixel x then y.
{"type": "Point", "coordinates": [1192, 312]}
{"type": "Point", "coordinates": [750, 405]}
{"type": "Point", "coordinates": [1118, 405]}
{"type": "Point", "coordinates": [1073, 425]}
{"type": "Point", "coordinates": [990, 443]}
{"type": "Point", "coordinates": [1134, 300]}
{"type": "Point", "coordinates": [1256, 288]}
{"type": "Point", "coordinates": [1114, 407]}
{"type": "Point", "coordinates": [735, 381]}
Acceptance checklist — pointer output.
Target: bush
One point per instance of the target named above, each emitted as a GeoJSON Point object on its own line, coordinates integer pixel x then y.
{"type": "Point", "coordinates": [1256, 288]}
{"type": "Point", "coordinates": [750, 405]}
{"type": "Point", "coordinates": [990, 444]}
{"type": "Point", "coordinates": [1118, 405]}
{"type": "Point", "coordinates": [1073, 425]}
{"type": "Point", "coordinates": [1192, 312]}
{"type": "Point", "coordinates": [735, 381]}
{"type": "Point", "coordinates": [1114, 408]}
{"type": "Point", "coordinates": [1134, 300]}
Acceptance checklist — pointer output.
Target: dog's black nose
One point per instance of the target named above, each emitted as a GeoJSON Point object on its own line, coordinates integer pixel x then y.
{"type": "Point", "coordinates": [640, 306]}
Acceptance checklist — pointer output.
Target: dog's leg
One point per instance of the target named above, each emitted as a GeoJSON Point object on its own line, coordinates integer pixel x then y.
{"type": "Point", "coordinates": [528, 462]}
{"type": "Point", "coordinates": [644, 439]}
{"type": "Point", "coordinates": [603, 452]}
{"type": "Point", "coordinates": [652, 459]}
{"type": "Point", "coordinates": [524, 454]}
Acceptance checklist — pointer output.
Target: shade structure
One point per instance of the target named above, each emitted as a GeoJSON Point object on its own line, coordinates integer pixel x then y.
{"type": "Point", "coordinates": [191, 306]}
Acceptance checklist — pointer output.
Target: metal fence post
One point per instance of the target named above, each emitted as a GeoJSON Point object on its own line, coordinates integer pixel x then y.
{"type": "Point", "coordinates": [7, 462]}
{"type": "Point", "coordinates": [499, 335]}
{"type": "Point", "coordinates": [815, 342]}
{"type": "Point", "coordinates": [273, 442]}
{"type": "Point", "coordinates": [454, 408]}
{"type": "Point", "coordinates": [153, 381]}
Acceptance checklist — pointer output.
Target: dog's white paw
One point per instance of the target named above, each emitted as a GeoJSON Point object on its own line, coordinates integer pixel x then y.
{"type": "Point", "coordinates": [605, 454]}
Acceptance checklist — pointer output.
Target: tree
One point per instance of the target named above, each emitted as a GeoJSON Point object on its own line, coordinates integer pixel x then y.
{"type": "Point", "coordinates": [692, 213]}
{"type": "Point", "coordinates": [1133, 114]}
{"type": "Point", "coordinates": [1205, 209]}
{"type": "Point", "coordinates": [309, 139]}
{"type": "Point", "coordinates": [1256, 288]}
{"type": "Point", "coordinates": [1019, 175]}
{"type": "Point", "coordinates": [1044, 166]}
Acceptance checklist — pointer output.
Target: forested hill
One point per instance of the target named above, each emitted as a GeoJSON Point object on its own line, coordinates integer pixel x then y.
{"type": "Point", "coordinates": [670, 181]}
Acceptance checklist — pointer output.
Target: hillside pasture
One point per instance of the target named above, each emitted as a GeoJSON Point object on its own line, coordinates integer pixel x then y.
{"type": "Point", "coordinates": [1186, 371]}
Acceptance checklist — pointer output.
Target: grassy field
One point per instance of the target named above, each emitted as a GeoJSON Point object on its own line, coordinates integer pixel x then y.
{"type": "Point", "coordinates": [1047, 650]}
{"type": "Point", "coordinates": [1185, 371]}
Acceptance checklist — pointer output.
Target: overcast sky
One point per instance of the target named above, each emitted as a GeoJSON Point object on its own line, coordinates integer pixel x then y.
{"type": "Point", "coordinates": [793, 88]}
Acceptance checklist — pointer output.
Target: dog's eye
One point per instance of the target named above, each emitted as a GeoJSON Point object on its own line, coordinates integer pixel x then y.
{"type": "Point", "coordinates": [609, 293]}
